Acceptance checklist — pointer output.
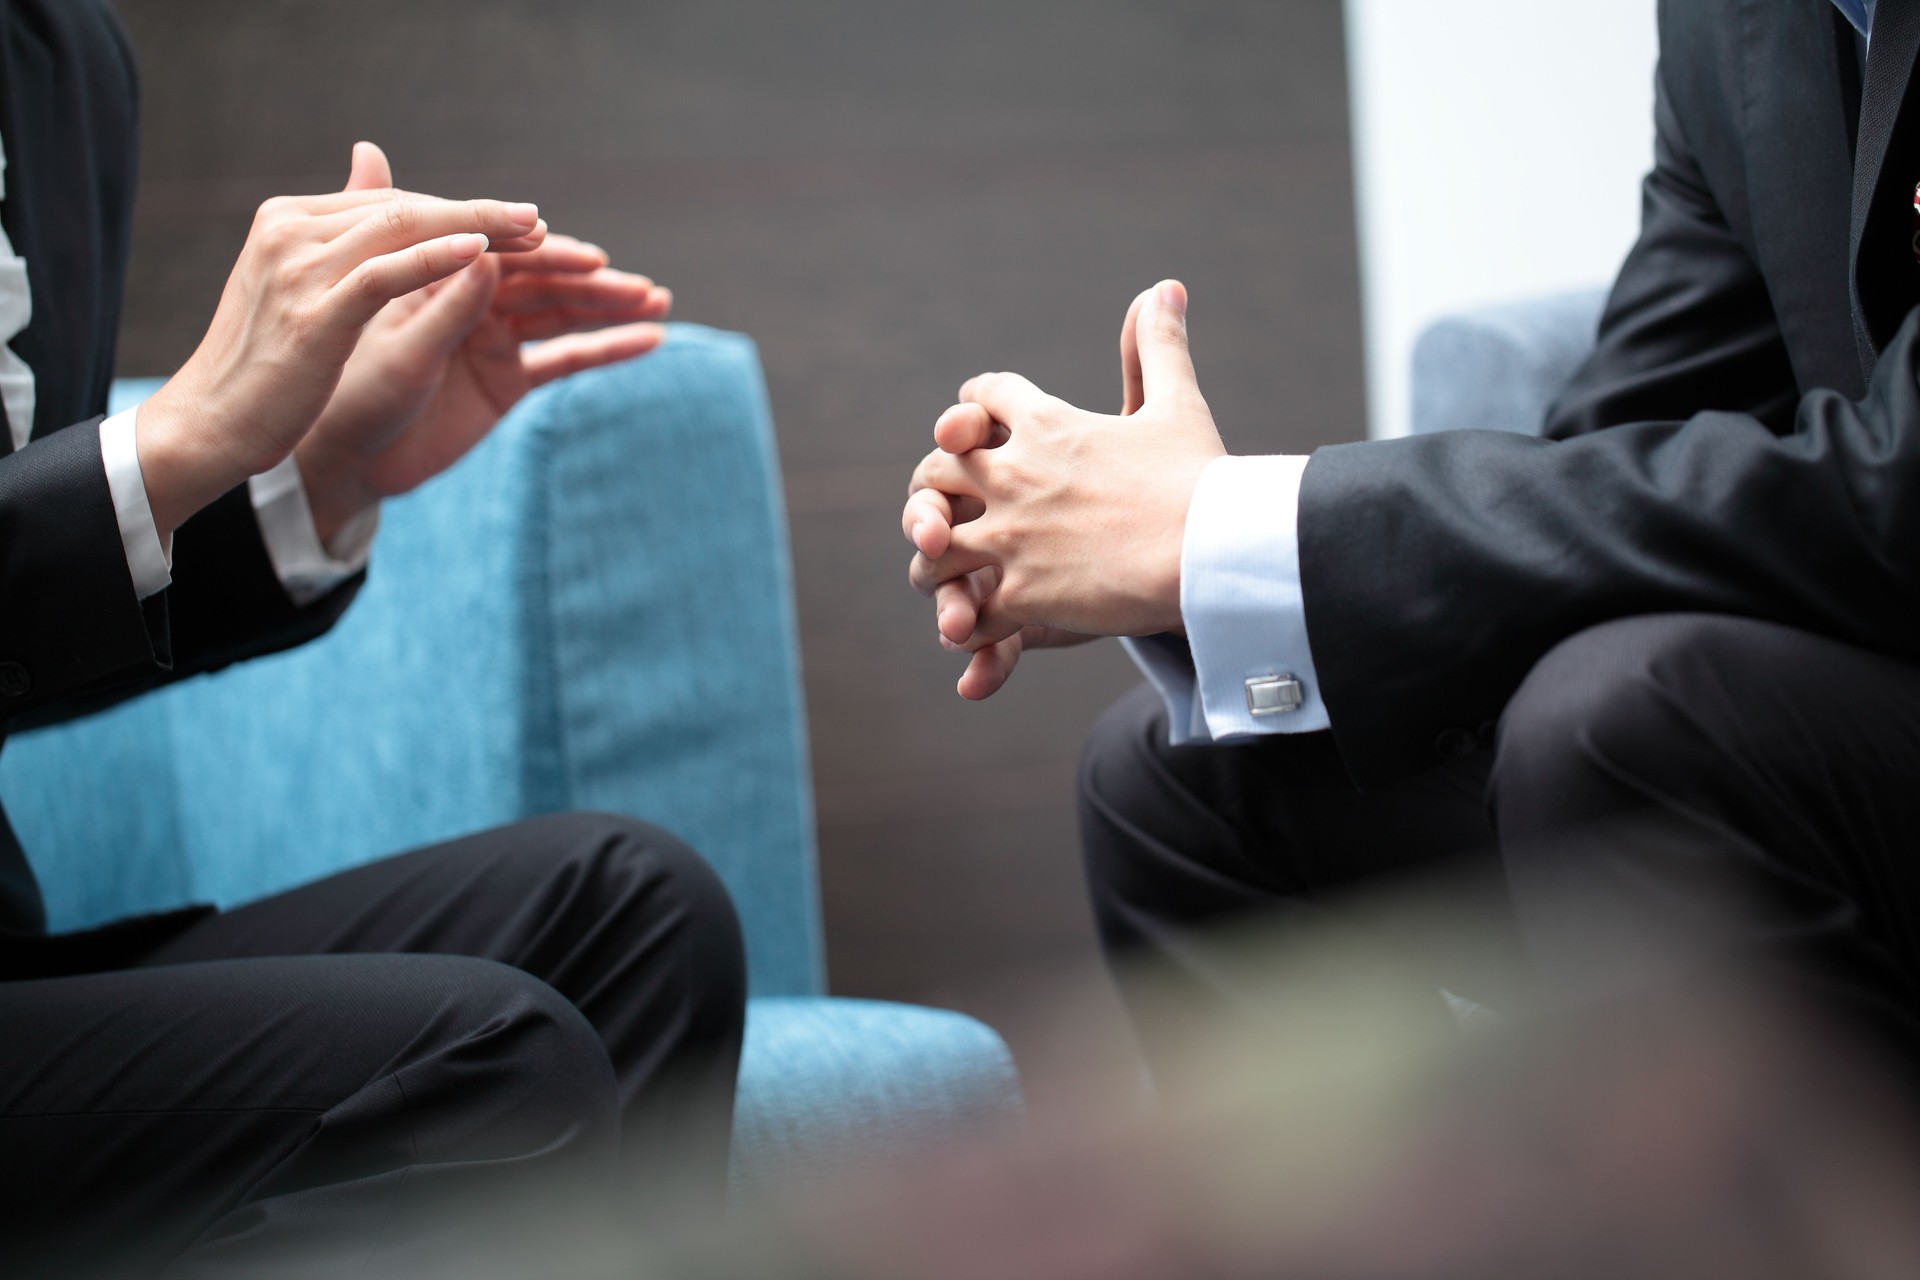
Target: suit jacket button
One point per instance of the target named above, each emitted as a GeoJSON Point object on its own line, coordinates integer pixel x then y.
{"type": "Point", "coordinates": [1456, 742]}
{"type": "Point", "coordinates": [14, 680]}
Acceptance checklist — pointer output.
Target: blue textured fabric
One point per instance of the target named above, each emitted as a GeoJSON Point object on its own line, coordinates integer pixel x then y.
{"type": "Point", "coordinates": [823, 1079]}
{"type": "Point", "coordinates": [593, 611]}
{"type": "Point", "coordinates": [1499, 368]}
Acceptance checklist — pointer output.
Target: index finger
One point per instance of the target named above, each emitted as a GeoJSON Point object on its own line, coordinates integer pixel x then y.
{"type": "Point", "coordinates": [1007, 396]}
{"type": "Point", "coordinates": [402, 221]}
{"type": "Point", "coordinates": [957, 476]}
{"type": "Point", "coordinates": [561, 255]}
{"type": "Point", "coordinates": [966, 427]}
{"type": "Point", "coordinates": [927, 520]}
{"type": "Point", "coordinates": [333, 203]}
{"type": "Point", "coordinates": [525, 244]}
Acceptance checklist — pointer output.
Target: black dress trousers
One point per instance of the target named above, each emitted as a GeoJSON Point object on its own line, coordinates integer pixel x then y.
{"type": "Point", "coordinates": [416, 1065]}
{"type": "Point", "coordinates": [1672, 788]}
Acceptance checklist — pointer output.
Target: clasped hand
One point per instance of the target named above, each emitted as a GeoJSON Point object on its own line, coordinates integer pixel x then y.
{"type": "Point", "coordinates": [372, 335]}
{"type": "Point", "coordinates": [1037, 524]}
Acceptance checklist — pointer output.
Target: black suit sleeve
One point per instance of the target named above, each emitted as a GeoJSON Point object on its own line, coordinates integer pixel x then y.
{"type": "Point", "coordinates": [73, 636]}
{"type": "Point", "coordinates": [68, 613]}
{"type": "Point", "coordinates": [1438, 570]}
{"type": "Point", "coordinates": [227, 602]}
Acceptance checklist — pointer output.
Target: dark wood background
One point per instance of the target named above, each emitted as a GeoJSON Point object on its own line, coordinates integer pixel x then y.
{"type": "Point", "coordinates": [890, 195]}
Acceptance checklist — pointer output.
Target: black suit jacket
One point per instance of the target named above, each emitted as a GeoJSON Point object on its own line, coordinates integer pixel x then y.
{"type": "Point", "coordinates": [73, 637]}
{"type": "Point", "coordinates": [1745, 439]}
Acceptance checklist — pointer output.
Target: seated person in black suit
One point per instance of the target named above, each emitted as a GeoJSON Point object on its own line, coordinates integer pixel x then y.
{"type": "Point", "coordinates": [1664, 658]}
{"type": "Point", "coordinates": [299, 1081]}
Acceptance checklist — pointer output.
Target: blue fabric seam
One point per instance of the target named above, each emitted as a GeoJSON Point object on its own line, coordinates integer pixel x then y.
{"type": "Point", "coordinates": [545, 779]}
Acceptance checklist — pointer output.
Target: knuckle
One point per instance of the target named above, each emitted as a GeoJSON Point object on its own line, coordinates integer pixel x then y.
{"type": "Point", "coordinates": [368, 285]}
{"type": "Point", "coordinates": [287, 275]}
{"type": "Point", "coordinates": [306, 321]}
{"type": "Point", "coordinates": [402, 216]}
{"type": "Point", "coordinates": [292, 270]}
{"type": "Point", "coordinates": [275, 233]}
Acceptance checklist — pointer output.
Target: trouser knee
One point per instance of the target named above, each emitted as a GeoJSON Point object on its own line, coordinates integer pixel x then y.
{"type": "Point", "coordinates": [648, 890]}
{"type": "Point", "coordinates": [1605, 706]}
{"type": "Point", "coordinates": [504, 1068]}
{"type": "Point", "coordinates": [1609, 794]}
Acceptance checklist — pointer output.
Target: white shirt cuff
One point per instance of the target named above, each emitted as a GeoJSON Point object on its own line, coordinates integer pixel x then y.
{"type": "Point", "coordinates": [1168, 667]}
{"type": "Point", "coordinates": [148, 559]}
{"type": "Point", "coordinates": [307, 569]}
{"type": "Point", "coordinates": [1240, 598]}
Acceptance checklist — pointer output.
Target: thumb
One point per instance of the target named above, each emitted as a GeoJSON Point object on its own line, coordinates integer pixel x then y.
{"type": "Point", "coordinates": [371, 172]}
{"type": "Point", "coordinates": [1132, 394]}
{"type": "Point", "coordinates": [1166, 369]}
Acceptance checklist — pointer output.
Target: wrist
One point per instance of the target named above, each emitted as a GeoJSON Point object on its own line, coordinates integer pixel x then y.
{"type": "Point", "coordinates": [181, 464]}
{"type": "Point", "coordinates": [336, 495]}
{"type": "Point", "coordinates": [1169, 584]}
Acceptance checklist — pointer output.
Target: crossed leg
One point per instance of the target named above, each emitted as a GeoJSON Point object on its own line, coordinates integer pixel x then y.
{"type": "Point", "coordinates": [533, 1015]}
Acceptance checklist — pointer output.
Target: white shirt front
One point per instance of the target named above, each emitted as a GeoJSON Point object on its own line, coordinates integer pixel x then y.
{"type": "Point", "coordinates": [16, 310]}
{"type": "Point", "coordinates": [306, 569]}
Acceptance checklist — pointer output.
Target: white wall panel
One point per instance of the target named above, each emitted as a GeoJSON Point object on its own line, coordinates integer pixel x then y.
{"type": "Point", "coordinates": [1499, 146]}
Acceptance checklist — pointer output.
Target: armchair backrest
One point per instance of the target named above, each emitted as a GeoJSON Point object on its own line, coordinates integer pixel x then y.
{"type": "Point", "coordinates": [593, 611]}
{"type": "Point", "coordinates": [1500, 368]}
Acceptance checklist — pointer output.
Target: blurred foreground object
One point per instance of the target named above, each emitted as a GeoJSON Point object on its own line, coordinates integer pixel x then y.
{"type": "Point", "coordinates": [1684, 1130]}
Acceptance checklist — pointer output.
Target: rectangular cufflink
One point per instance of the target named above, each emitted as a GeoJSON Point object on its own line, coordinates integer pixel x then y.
{"type": "Point", "coordinates": [1274, 695]}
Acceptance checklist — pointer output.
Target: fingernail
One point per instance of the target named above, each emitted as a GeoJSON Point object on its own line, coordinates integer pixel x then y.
{"type": "Point", "coordinates": [1173, 294]}
{"type": "Point", "coordinates": [468, 247]}
{"type": "Point", "coordinates": [918, 530]}
{"type": "Point", "coordinates": [524, 215]}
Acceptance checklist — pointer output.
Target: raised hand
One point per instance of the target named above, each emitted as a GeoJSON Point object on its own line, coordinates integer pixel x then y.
{"type": "Point", "coordinates": [314, 272]}
{"type": "Point", "coordinates": [1038, 524]}
{"type": "Point", "coordinates": [436, 370]}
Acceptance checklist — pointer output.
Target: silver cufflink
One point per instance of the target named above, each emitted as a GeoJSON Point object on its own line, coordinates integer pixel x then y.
{"type": "Point", "coordinates": [1274, 695]}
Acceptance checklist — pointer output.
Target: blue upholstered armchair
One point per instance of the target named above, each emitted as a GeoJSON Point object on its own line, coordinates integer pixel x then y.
{"type": "Point", "coordinates": [1499, 368]}
{"type": "Point", "coordinates": [594, 611]}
